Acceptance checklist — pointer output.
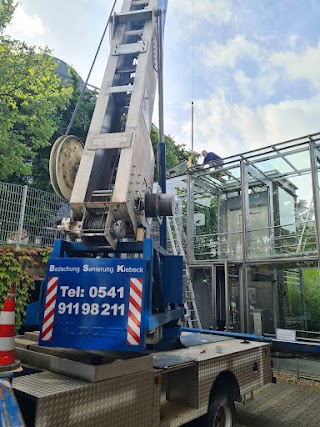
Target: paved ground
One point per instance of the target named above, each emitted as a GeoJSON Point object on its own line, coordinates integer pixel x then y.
{"type": "Point", "coordinates": [281, 405]}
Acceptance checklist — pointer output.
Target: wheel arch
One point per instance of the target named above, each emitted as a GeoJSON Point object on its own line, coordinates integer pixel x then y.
{"type": "Point", "coordinates": [226, 383]}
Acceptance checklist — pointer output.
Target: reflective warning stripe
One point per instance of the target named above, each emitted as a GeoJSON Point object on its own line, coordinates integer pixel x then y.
{"type": "Point", "coordinates": [50, 303]}
{"type": "Point", "coordinates": [7, 318]}
{"type": "Point", "coordinates": [134, 312]}
{"type": "Point", "coordinates": [7, 344]}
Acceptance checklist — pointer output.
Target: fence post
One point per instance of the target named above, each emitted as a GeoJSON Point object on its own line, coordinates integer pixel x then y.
{"type": "Point", "coordinates": [22, 211]}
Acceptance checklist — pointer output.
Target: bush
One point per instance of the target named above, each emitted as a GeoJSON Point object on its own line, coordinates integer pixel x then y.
{"type": "Point", "coordinates": [21, 267]}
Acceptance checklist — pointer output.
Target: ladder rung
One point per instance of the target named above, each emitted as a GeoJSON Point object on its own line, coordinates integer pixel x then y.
{"type": "Point", "coordinates": [126, 70]}
{"type": "Point", "coordinates": [120, 89]}
{"type": "Point", "coordinates": [133, 33]}
{"type": "Point", "coordinates": [101, 193]}
{"type": "Point", "coordinates": [130, 48]}
{"type": "Point", "coordinates": [136, 15]}
{"type": "Point", "coordinates": [139, 2]}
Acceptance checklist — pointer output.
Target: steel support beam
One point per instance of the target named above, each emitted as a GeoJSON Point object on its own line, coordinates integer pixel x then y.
{"type": "Point", "coordinates": [314, 159]}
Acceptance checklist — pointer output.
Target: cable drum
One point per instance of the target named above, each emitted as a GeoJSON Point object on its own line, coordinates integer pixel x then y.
{"type": "Point", "coordinates": [64, 162]}
{"type": "Point", "coordinates": [52, 167]}
{"type": "Point", "coordinates": [94, 223]}
{"type": "Point", "coordinates": [159, 204]}
{"type": "Point", "coordinates": [92, 231]}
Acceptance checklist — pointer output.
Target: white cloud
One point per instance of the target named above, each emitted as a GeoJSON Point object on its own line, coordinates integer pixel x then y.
{"type": "Point", "coordinates": [219, 11]}
{"type": "Point", "coordinates": [26, 25]}
{"type": "Point", "coordinates": [254, 89]}
{"type": "Point", "coordinates": [230, 129]}
{"type": "Point", "coordinates": [226, 55]}
{"type": "Point", "coordinates": [272, 66]}
{"type": "Point", "coordinates": [304, 65]}
{"type": "Point", "coordinates": [293, 40]}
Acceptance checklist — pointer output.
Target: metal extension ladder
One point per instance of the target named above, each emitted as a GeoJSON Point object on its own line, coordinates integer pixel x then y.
{"type": "Point", "coordinates": [118, 155]}
{"type": "Point", "coordinates": [192, 318]}
{"type": "Point", "coordinates": [304, 235]}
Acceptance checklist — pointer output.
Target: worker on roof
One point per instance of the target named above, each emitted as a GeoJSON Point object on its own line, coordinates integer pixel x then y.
{"type": "Point", "coordinates": [210, 156]}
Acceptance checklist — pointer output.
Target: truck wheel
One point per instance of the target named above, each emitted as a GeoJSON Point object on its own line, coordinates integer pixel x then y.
{"type": "Point", "coordinates": [221, 413]}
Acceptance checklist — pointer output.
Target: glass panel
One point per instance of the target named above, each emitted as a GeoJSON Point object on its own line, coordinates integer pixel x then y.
{"type": "Point", "coordinates": [205, 216]}
{"type": "Point", "coordinates": [310, 286]}
{"type": "Point", "coordinates": [298, 161]}
{"type": "Point", "coordinates": [287, 217]}
{"type": "Point", "coordinates": [292, 313]}
{"type": "Point", "coordinates": [205, 226]}
{"type": "Point", "coordinates": [259, 237]}
{"type": "Point", "coordinates": [299, 292]}
{"type": "Point", "coordinates": [298, 237]}
{"type": "Point", "coordinates": [230, 218]}
{"type": "Point", "coordinates": [286, 296]}
{"type": "Point", "coordinates": [233, 240]}
{"type": "Point", "coordinates": [202, 285]}
{"type": "Point", "coordinates": [286, 240]}
{"type": "Point", "coordinates": [233, 172]}
{"type": "Point", "coordinates": [233, 280]}
{"type": "Point", "coordinates": [283, 224]}
{"type": "Point", "coordinates": [262, 300]}
{"type": "Point", "coordinates": [275, 164]}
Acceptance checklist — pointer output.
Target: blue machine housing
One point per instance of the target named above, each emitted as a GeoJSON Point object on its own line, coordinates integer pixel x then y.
{"type": "Point", "coordinates": [95, 299]}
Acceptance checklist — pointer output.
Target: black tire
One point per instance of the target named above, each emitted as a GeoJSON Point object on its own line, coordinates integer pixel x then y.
{"type": "Point", "coordinates": [221, 413]}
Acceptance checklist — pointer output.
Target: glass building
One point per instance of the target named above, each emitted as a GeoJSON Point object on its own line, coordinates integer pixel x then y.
{"type": "Point", "coordinates": [253, 239]}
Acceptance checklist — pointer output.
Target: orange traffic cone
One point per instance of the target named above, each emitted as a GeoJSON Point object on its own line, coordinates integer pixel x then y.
{"type": "Point", "coordinates": [7, 332]}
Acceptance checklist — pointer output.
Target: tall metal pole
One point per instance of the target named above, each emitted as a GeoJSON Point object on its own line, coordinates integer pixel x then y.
{"type": "Point", "coordinates": [192, 135]}
{"type": "Point", "coordinates": [161, 142]}
{"type": "Point", "coordinates": [245, 206]}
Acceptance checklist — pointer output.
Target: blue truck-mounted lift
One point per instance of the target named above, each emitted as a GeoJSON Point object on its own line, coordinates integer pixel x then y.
{"type": "Point", "coordinates": [109, 303]}
{"type": "Point", "coordinates": [97, 296]}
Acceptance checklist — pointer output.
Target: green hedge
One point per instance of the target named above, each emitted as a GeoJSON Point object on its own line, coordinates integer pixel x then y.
{"type": "Point", "coordinates": [21, 267]}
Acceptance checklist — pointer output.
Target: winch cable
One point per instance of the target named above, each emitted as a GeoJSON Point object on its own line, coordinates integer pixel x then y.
{"type": "Point", "coordinates": [90, 71]}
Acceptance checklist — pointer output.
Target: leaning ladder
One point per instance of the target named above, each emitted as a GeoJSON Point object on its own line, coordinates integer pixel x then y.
{"type": "Point", "coordinates": [192, 318]}
{"type": "Point", "coordinates": [303, 236]}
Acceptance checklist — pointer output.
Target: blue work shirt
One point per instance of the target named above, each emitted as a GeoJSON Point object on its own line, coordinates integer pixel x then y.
{"type": "Point", "coordinates": [210, 157]}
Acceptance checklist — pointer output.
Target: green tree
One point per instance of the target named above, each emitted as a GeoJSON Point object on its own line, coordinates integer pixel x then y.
{"type": "Point", "coordinates": [7, 8]}
{"type": "Point", "coordinates": [175, 153]}
{"type": "Point", "coordinates": [30, 96]}
{"type": "Point", "coordinates": [311, 281]}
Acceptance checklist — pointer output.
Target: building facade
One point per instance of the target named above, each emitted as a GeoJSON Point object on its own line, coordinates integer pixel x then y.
{"type": "Point", "coordinates": [253, 239]}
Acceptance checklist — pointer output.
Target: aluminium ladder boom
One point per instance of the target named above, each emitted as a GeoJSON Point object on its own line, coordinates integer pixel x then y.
{"type": "Point", "coordinates": [116, 168]}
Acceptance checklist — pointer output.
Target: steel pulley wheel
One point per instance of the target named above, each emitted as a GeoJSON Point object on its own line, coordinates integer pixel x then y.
{"type": "Point", "coordinates": [64, 162]}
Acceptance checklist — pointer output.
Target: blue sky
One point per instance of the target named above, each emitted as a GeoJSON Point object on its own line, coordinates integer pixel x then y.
{"type": "Point", "coordinates": [252, 67]}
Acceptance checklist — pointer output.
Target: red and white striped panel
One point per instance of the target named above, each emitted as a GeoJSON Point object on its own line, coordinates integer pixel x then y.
{"type": "Point", "coordinates": [50, 304]}
{"type": "Point", "coordinates": [134, 312]}
{"type": "Point", "coordinates": [7, 331]}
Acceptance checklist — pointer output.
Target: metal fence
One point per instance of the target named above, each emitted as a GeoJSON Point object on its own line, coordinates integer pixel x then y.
{"type": "Point", "coordinates": [29, 216]}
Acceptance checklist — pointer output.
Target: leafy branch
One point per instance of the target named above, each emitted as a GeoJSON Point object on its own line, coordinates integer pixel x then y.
{"type": "Point", "coordinates": [20, 267]}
